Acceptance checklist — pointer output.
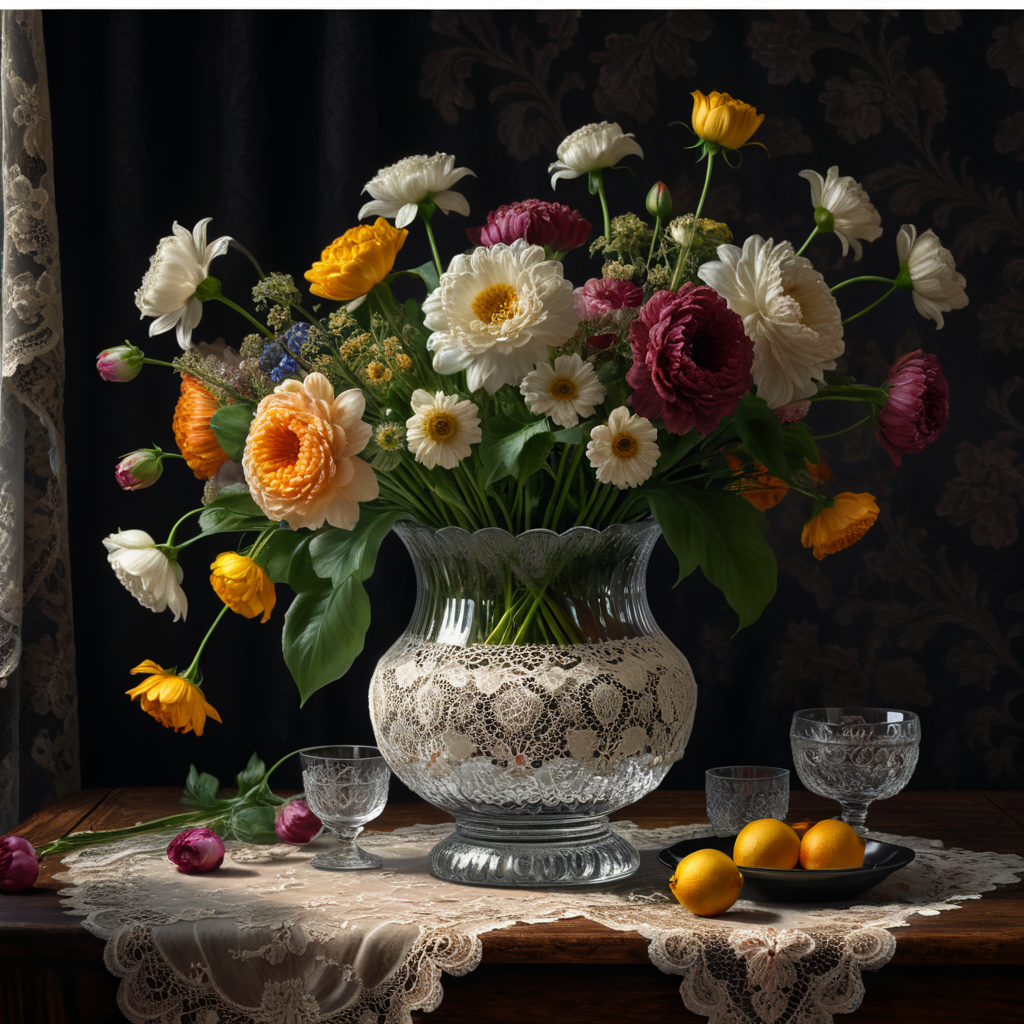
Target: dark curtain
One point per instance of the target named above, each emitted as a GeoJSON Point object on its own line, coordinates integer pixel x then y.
{"type": "Point", "coordinates": [271, 123]}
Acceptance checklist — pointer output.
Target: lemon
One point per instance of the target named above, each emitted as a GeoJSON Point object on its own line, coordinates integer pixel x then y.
{"type": "Point", "coordinates": [767, 843]}
{"type": "Point", "coordinates": [706, 882]}
{"type": "Point", "coordinates": [831, 844]}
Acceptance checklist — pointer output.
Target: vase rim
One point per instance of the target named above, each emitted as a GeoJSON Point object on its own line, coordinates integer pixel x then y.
{"type": "Point", "coordinates": [487, 531]}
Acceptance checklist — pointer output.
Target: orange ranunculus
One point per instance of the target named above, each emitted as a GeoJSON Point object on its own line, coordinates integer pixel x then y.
{"type": "Point", "coordinates": [721, 119]}
{"type": "Point", "coordinates": [833, 529]}
{"type": "Point", "coordinates": [351, 265]}
{"type": "Point", "coordinates": [761, 489]}
{"type": "Point", "coordinates": [820, 473]}
{"type": "Point", "coordinates": [243, 585]}
{"type": "Point", "coordinates": [173, 701]}
{"type": "Point", "coordinates": [191, 424]}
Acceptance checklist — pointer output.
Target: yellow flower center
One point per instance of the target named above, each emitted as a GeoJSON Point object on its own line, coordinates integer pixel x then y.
{"type": "Point", "coordinates": [625, 446]}
{"type": "Point", "coordinates": [496, 304]}
{"type": "Point", "coordinates": [441, 426]}
{"type": "Point", "coordinates": [376, 371]}
{"type": "Point", "coordinates": [563, 389]}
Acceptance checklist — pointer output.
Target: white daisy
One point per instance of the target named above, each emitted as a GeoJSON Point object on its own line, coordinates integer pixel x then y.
{"type": "Point", "coordinates": [180, 264]}
{"type": "Point", "coordinates": [623, 452]}
{"type": "Point", "coordinates": [566, 391]}
{"type": "Point", "coordinates": [938, 287]}
{"type": "Point", "coordinates": [397, 190]}
{"type": "Point", "coordinates": [442, 428]}
{"type": "Point", "coordinates": [853, 215]}
{"type": "Point", "coordinates": [496, 313]}
{"type": "Point", "coordinates": [788, 312]}
{"type": "Point", "coordinates": [149, 575]}
{"type": "Point", "coordinates": [592, 148]}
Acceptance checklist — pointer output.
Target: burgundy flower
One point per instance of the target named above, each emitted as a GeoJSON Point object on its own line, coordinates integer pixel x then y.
{"type": "Point", "coordinates": [19, 866]}
{"type": "Point", "coordinates": [918, 405]}
{"type": "Point", "coordinates": [296, 823]}
{"type": "Point", "coordinates": [196, 849]}
{"type": "Point", "coordinates": [605, 298]}
{"type": "Point", "coordinates": [552, 224]}
{"type": "Point", "coordinates": [691, 359]}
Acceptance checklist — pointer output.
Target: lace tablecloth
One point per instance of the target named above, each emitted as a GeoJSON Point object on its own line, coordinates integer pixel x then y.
{"type": "Point", "coordinates": [268, 938]}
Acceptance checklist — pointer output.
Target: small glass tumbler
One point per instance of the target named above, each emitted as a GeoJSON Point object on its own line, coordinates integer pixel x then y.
{"type": "Point", "coordinates": [743, 793]}
{"type": "Point", "coordinates": [346, 786]}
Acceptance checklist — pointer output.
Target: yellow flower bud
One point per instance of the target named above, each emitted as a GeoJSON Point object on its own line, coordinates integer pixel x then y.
{"type": "Point", "coordinates": [720, 119]}
{"type": "Point", "coordinates": [351, 265]}
{"type": "Point", "coordinates": [243, 585]}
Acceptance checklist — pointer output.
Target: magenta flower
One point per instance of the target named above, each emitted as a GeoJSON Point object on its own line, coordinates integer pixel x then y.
{"type": "Point", "coordinates": [140, 469]}
{"type": "Point", "coordinates": [605, 299]}
{"type": "Point", "coordinates": [552, 225]}
{"type": "Point", "coordinates": [120, 364]}
{"type": "Point", "coordinates": [793, 412]}
{"type": "Point", "coordinates": [918, 405]}
{"type": "Point", "coordinates": [196, 849]}
{"type": "Point", "coordinates": [296, 823]}
{"type": "Point", "coordinates": [19, 866]}
{"type": "Point", "coordinates": [691, 359]}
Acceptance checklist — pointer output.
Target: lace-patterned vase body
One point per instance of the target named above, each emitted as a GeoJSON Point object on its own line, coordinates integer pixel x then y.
{"type": "Point", "coordinates": [532, 695]}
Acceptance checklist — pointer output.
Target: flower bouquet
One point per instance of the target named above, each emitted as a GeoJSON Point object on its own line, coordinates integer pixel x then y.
{"type": "Point", "coordinates": [676, 382]}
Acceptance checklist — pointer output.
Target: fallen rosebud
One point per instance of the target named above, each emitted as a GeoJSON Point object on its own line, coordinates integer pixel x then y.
{"type": "Point", "coordinates": [19, 866]}
{"type": "Point", "coordinates": [196, 849]}
{"type": "Point", "coordinates": [297, 824]}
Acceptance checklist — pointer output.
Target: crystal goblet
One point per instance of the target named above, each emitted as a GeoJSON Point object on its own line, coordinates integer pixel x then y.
{"type": "Point", "coordinates": [346, 786]}
{"type": "Point", "coordinates": [740, 794]}
{"type": "Point", "coordinates": [855, 755]}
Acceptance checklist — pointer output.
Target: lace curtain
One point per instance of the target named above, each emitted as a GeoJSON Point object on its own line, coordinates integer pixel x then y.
{"type": "Point", "coordinates": [38, 701]}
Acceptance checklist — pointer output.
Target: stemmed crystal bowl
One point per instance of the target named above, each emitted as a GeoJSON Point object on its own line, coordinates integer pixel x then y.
{"type": "Point", "coordinates": [855, 755]}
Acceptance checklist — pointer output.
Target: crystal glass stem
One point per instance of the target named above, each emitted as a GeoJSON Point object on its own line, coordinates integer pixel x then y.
{"type": "Point", "coordinates": [346, 856]}
{"type": "Point", "coordinates": [855, 814]}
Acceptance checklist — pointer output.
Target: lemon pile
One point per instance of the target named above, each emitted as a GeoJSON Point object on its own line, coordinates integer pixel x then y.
{"type": "Point", "coordinates": [708, 882]}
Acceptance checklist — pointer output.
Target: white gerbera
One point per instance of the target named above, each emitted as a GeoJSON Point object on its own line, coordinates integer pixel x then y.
{"type": "Point", "coordinates": [565, 392]}
{"type": "Point", "coordinates": [442, 428]}
{"type": "Point", "coordinates": [496, 313]}
{"type": "Point", "coordinates": [625, 451]}
{"type": "Point", "coordinates": [397, 190]}
{"type": "Point", "coordinates": [788, 312]}
{"type": "Point", "coordinates": [180, 264]}
{"type": "Point", "coordinates": [853, 215]}
{"type": "Point", "coordinates": [592, 148]}
{"type": "Point", "coordinates": [938, 287]}
{"type": "Point", "coordinates": [147, 572]}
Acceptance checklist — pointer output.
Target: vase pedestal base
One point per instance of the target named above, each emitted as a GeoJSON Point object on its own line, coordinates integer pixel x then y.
{"type": "Point", "coordinates": [533, 853]}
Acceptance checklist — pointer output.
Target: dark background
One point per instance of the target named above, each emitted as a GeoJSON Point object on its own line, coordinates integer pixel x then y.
{"type": "Point", "coordinates": [272, 122]}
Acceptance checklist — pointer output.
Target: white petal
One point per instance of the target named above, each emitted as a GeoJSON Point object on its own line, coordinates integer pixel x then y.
{"type": "Point", "coordinates": [406, 215]}
{"type": "Point", "coordinates": [164, 323]}
{"type": "Point", "coordinates": [452, 202]}
{"type": "Point", "coordinates": [378, 208]}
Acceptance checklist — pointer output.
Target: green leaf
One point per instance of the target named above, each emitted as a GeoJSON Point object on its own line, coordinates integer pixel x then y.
{"type": "Point", "coordinates": [301, 576]}
{"type": "Point", "coordinates": [761, 433]}
{"type": "Point", "coordinates": [324, 632]}
{"type": "Point", "coordinates": [251, 775]}
{"type": "Point", "coordinates": [723, 534]}
{"type": "Point", "coordinates": [534, 456]}
{"type": "Point", "coordinates": [251, 824]}
{"type": "Point", "coordinates": [233, 511]}
{"type": "Point", "coordinates": [675, 448]}
{"type": "Point", "coordinates": [230, 425]}
{"type": "Point", "coordinates": [276, 555]}
{"type": "Point", "coordinates": [428, 271]}
{"type": "Point", "coordinates": [338, 554]}
{"type": "Point", "coordinates": [200, 789]}
{"type": "Point", "coordinates": [800, 447]}
{"type": "Point", "coordinates": [504, 438]}
{"type": "Point", "coordinates": [574, 435]}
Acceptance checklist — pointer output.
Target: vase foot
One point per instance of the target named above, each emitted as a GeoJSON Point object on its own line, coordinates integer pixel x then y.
{"type": "Point", "coordinates": [506, 851]}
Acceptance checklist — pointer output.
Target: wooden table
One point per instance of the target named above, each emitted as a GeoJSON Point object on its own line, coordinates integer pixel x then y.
{"type": "Point", "coordinates": [963, 966]}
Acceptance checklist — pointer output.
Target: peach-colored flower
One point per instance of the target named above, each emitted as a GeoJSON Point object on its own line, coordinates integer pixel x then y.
{"type": "Point", "coordinates": [835, 528]}
{"type": "Point", "coordinates": [196, 441]}
{"type": "Point", "coordinates": [300, 456]}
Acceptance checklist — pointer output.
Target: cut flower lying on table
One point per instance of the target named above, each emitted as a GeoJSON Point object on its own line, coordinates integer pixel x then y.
{"type": "Point", "coordinates": [677, 381]}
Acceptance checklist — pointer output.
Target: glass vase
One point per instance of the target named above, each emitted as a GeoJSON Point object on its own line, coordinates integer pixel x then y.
{"type": "Point", "coordinates": [531, 695]}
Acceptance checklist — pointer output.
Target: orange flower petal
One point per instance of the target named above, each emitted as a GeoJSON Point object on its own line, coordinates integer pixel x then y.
{"type": "Point", "coordinates": [833, 529]}
{"type": "Point", "coordinates": [191, 424]}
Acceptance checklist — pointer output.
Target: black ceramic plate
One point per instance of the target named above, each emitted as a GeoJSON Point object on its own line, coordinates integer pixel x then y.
{"type": "Point", "coordinates": [769, 885]}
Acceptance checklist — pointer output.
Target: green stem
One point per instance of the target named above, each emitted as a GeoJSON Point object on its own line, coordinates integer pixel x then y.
{"type": "Point", "coordinates": [853, 426]}
{"type": "Point", "coordinates": [238, 309]}
{"type": "Point", "coordinates": [190, 671]}
{"type": "Point", "coordinates": [654, 238]}
{"type": "Point", "coordinates": [433, 243]}
{"type": "Point", "coordinates": [599, 178]}
{"type": "Point", "coordinates": [810, 238]}
{"type": "Point", "coordinates": [79, 840]}
{"type": "Point", "coordinates": [677, 275]}
{"type": "Point", "coordinates": [867, 309]}
{"type": "Point", "coordinates": [158, 362]}
{"type": "Point", "coordinates": [854, 280]}
{"type": "Point", "coordinates": [170, 537]}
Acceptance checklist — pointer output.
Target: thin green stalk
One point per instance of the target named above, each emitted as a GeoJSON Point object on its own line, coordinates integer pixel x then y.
{"type": "Point", "coordinates": [170, 537]}
{"type": "Point", "coordinates": [810, 238]}
{"type": "Point", "coordinates": [599, 178]}
{"type": "Point", "coordinates": [570, 478]}
{"type": "Point", "coordinates": [854, 280]}
{"type": "Point", "coordinates": [433, 243]}
{"type": "Point", "coordinates": [190, 671]}
{"type": "Point", "coordinates": [853, 426]}
{"type": "Point", "coordinates": [654, 238]}
{"type": "Point", "coordinates": [552, 621]}
{"type": "Point", "coordinates": [868, 309]}
{"type": "Point", "coordinates": [248, 316]}
{"type": "Point", "coordinates": [677, 274]}
{"type": "Point", "coordinates": [157, 362]}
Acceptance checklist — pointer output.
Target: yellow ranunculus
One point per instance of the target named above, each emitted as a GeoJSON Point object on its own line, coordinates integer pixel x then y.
{"type": "Point", "coordinates": [721, 119]}
{"type": "Point", "coordinates": [833, 529]}
{"type": "Point", "coordinates": [243, 585]}
{"type": "Point", "coordinates": [176, 703]}
{"type": "Point", "coordinates": [351, 265]}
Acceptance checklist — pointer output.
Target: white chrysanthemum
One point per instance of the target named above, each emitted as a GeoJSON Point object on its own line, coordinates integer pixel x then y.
{"type": "Point", "coordinates": [180, 264]}
{"type": "Point", "coordinates": [496, 313]}
{"type": "Point", "coordinates": [938, 287]}
{"type": "Point", "coordinates": [592, 148]}
{"type": "Point", "coordinates": [566, 391]}
{"type": "Point", "coordinates": [398, 189]}
{"type": "Point", "coordinates": [788, 312]}
{"type": "Point", "coordinates": [853, 215]}
{"type": "Point", "coordinates": [442, 428]}
{"type": "Point", "coordinates": [625, 451]}
{"type": "Point", "coordinates": [147, 572]}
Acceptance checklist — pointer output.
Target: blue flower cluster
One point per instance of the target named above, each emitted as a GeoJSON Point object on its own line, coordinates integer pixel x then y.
{"type": "Point", "coordinates": [277, 359]}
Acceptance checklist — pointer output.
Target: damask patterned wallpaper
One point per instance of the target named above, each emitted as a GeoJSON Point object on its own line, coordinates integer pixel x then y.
{"type": "Point", "coordinates": [271, 123]}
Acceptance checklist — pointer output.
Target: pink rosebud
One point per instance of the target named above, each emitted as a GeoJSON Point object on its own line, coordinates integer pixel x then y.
{"type": "Point", "coordinates": [607, 301]}
{"type": "Point", "coordinates": [918, 405]}
{"type": "Point", "coordinates": [659, 201]}
{"type": "Point", "coordinates": [196, 849]}
{"type": "Point", "coordinates": [120, 364]}
{"type": "Point", "coordinates": [19, 866]}
{"type": "Point", "coordinates": [793, 412]}
{"type": "Point", "coordinates": [140, 469]}
{"type": "Point", "coordinates": [552, 225]}
{"type": "Point", "coordinates": [296, 823]}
